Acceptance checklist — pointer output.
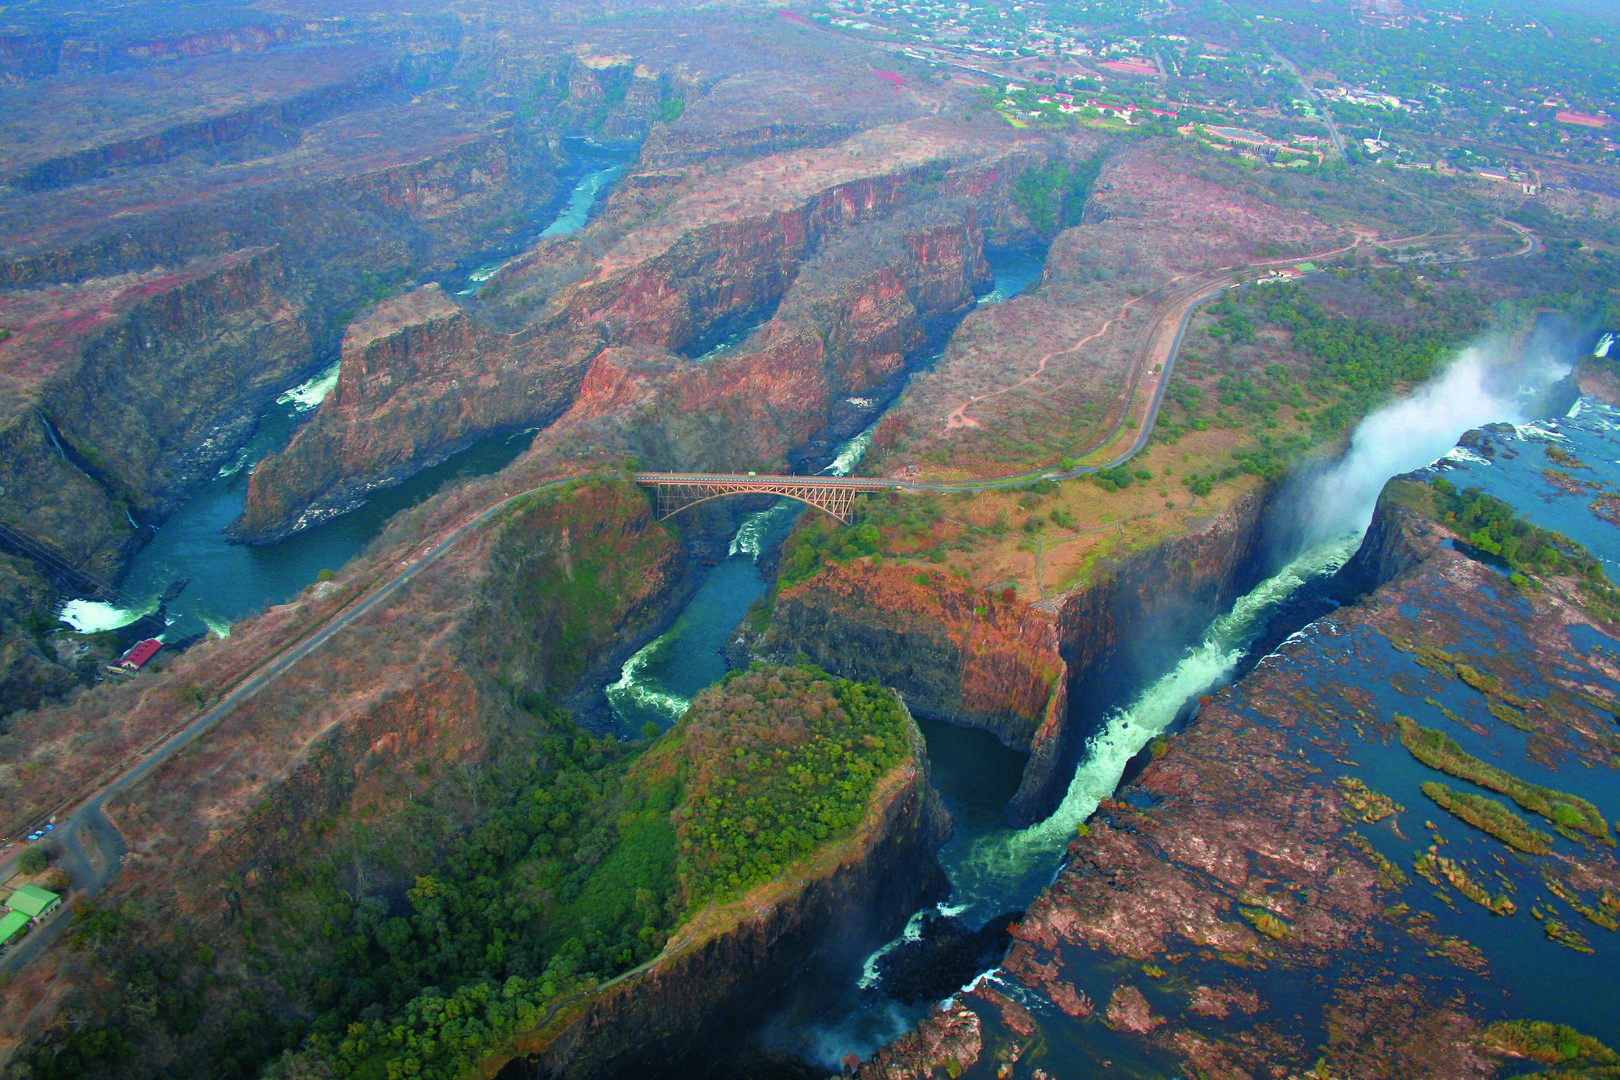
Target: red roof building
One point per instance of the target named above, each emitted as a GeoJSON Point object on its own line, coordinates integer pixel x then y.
{"type": "Point", "coordinates": [143, 651]}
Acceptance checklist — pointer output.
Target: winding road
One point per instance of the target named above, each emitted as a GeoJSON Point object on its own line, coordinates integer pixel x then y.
{"type": "Point", "coordinates": [87, 812]}
{"type": "Point", "coordinates": [90, 814]}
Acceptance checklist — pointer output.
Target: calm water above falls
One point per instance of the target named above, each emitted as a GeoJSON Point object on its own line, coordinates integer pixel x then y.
{"type": "Point", "coordinates": [994, 869]}
{"type": "Point", "coordinates": [230, 581]}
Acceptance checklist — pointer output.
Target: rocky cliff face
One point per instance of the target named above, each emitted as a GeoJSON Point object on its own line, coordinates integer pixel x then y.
{"type": "Point", "coordinates": [1028, 674]}
{"type": "Point", "coordinates": [419, 341]}
{"type": "Point", "coordinates": [1267, 861]}
{"type": "Point", "coordinates": [159, 400]}
{"type": "Point", "coordinates": [411, 702]}
{"type": "Point", "coordinates": [624, 334]}
{"type": "Point", "coordinates": [1399, 538]}
{"type": "Point", "coordinates": [124, 393]}
{"type": "Point", "coordinates": [855, 315]}
{"type": "Point", "coordinates": [730, 967]}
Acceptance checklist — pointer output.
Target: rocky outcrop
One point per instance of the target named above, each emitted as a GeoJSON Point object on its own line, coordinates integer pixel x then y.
{"type": "Point", "coordinates": [856, 314]}
{"type": "Point", "coordinates": [1023, 672]}
{"type": "Point", "coordinates": [1285, 830]}
{"type": "Point", "coordinates": [160, 399]}
{"type": "Point", "coordinates": [956, 654]}
{"type": "Point", "coordinates": [29, 675]}
{"type": "Point", "coordinates": [128, 391]}
{"type": "Point", "coordinates": [1399, 538]}
{"type": "Point", "coordinates": [368, 433]}
{"type": "Point", "coordinates": [616, 337]}
{"type": "Point", "coordinates": [731, 966]}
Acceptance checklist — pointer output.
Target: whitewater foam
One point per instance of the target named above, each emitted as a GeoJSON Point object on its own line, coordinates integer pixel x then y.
{"type": "Point", "coordinates": [94, 616]}
{"type": "Point", "coordinates": [850, 454]}
{"type": "Point", "coordinates": [1464, 456]}
{"type": "Point", "coordinates": [307, 395]}
{"type": "Point", "coordinates": [1000, 858]}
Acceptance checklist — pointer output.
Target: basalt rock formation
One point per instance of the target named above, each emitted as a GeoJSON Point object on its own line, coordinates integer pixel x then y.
{"type": "Point", "coordinates": [856, 314]}
{"type": "Point", "coordinates": [1019, 670]}
{"type": "Point", "coordinates": [1249, 902]}
{"type": "Point", "coordinates": [173, 264]}
{"type": "Point", "coordinates": [619, 333]}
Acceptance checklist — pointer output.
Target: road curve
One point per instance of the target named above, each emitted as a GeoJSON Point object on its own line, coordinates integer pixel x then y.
{"type": "Point", "coordinates": [91, 812]}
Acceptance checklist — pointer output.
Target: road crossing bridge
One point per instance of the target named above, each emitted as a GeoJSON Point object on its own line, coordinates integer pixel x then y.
{"type": "Point", "coordinates": [833, 494]}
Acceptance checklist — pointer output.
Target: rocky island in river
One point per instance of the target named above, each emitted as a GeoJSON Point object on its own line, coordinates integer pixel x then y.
{"type": "Point", "coordinates": [1106, 738]}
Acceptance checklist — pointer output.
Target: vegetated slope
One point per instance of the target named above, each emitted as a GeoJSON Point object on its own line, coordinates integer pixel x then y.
{"type": "Point", "coordinates": [350, 774]}
{"type": "Point", "coordinates": [1046, 374]}
{"type": "Point", "coordinates": [595, 864]}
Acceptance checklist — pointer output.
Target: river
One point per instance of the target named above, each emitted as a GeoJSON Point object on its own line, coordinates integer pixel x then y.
{"type": "Point", "coordinates": [228, 582]}
{"type": "Point", "coordinates": [657, 683]}
{"type": "Point", "coordinates": [993, 869]}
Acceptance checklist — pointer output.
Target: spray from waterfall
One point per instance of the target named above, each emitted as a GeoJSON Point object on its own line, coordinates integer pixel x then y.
{"type": "Point", "coordinates": [1478, 388]}
{"type": "Point", "coordinates": [1332, 511]}
{"type": "Point", "coordinates": [1000, 862]}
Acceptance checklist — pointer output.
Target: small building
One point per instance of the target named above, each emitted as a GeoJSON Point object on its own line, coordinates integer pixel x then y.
{"type": "Point", "coordinates": [33, 902]}
{"type": "Point", "coordinates": [143, 651]}
{"type": "Point", "coordinates": [12, 924]}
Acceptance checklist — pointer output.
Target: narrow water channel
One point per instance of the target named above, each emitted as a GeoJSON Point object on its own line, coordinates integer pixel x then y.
{"type": "Point", "coordinates": [228, 582]}
{"type": "Point", "coordinates": [657, 683]}
{"type": "Point", "coordinates": [994, 870]}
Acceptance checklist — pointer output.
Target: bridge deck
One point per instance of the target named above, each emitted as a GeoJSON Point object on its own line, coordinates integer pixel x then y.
{"type": "Point", "coordinates": [834, 494]}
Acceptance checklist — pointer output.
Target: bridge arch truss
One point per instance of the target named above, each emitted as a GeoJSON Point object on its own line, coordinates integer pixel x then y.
{"type": "Point", "coordinates": [833, 495]}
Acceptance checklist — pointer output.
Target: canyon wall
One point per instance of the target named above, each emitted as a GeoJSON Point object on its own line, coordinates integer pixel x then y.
{"type": "Point", "coordinates": [1323, 814]}
{"type": "Point", "coordinates": [421, 378]}
{"type": "Point", "coordinates": [1029, 674]}
{"type": "Point", "coordinates": [730, 967]}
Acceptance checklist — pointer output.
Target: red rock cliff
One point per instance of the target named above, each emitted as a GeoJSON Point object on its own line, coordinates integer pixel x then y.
{"type": "Point", "coordinates": [1021, 672]}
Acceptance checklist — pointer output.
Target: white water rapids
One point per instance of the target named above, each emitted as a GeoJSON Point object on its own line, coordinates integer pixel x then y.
{"type": "Point", "coordinates": [994, 865]}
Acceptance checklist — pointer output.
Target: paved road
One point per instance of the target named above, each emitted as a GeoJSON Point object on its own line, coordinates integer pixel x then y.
{"type": "Point", "coordinates": [1311, 94]}
{"type": "Point", "coordinates": [90, 814]}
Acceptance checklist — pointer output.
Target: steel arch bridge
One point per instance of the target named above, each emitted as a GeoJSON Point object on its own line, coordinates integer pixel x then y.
{"type": "Point", "coordinates": [833, 494]}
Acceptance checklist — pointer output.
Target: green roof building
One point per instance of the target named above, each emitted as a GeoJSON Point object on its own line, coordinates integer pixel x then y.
{"type": "Point", "coordinates": [12, 924]}
{"type": "Point", "coordinates": [32, 901]}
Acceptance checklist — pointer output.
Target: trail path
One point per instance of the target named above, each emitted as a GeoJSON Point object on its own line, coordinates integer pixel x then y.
{"type": "Point", "coordinates": [958, 416]}
{"type": "Point", "coordinates": [87, 809]}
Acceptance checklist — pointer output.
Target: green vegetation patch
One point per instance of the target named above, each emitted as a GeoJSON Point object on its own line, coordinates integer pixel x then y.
{"type": "Point", "coordinates": [1433, 867]}
{"type": "Point", "coordinates": [889, 526]}
{"type": "Point", "coordinates": [1489, 816]}
{"type": "Point", "coordinates": [776, 762]}
{"type": "Point", "coordinates": [1568, 813]}
{"type": "Point", "coordinates": [1601, 916]}
{"type": "Point", "coordinates": [1494, 527]}
{"type": "Point", "coordinates": [1568, 938]}
{"type": "Point", "coordinates": [570, 882]}
{"type": "Point", "coordinates": [1055, 197]}
{"type": "Point", "coordinates": [1268, 923]}
{"type": "Point", "coordinates": [1550, 1044]}
{"type": "Point", "coordinates": [1367, 804]}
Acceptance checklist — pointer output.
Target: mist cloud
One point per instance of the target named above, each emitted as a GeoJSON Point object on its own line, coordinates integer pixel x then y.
{"type": "Point", "coordinates": [1478, 388]}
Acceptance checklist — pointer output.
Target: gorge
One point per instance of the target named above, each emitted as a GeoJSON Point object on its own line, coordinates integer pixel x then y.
{"type": "Point", "coordinates": [459, 761]}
